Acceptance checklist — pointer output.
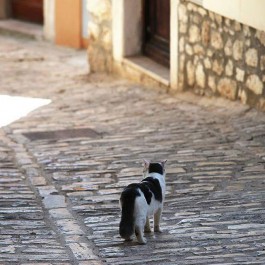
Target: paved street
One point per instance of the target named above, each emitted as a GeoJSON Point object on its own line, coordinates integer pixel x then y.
{"type": "Point", "coordinates": [64, 165]}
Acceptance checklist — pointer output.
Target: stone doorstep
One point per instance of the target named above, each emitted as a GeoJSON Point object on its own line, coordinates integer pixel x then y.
{"type": "Point", "coordinates": [149, 68]}
{"type": "Point", "coordinates": [22, 29]}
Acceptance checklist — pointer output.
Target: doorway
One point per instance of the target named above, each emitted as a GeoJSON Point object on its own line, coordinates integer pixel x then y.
{"type": "Point", "coordinates": [27, 10]}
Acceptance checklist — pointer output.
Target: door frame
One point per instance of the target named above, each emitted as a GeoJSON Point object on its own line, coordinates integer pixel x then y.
{"type": "Point", "coordinates": [4, 9]}
{"type": "Point", "coordinates": [127, 24]}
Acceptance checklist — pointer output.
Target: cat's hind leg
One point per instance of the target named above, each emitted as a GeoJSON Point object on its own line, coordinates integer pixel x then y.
{"type": "Point", "coordinates": [157, 217]}
{"type": "Point", "coordinates": [139, 234]}
{"type": "Point", "coordinates": [147, 228]}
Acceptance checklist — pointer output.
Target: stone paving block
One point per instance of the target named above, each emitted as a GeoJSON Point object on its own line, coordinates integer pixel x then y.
{"type": "Point", "coordinates": [69, 227]}
{"type": "Point", "coordinates": [46, 190]}
{"type": "Point", "coordinates": [54, 201]}
{"type": "Point", "coordinates": [38, 181]}
{"type": "Point", "coordinates": [60, 213]}
{"type": "Point", "coordinates": [82, 251]}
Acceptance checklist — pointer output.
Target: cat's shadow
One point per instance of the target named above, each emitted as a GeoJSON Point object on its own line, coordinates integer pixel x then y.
{"type": "Point", "coordinates": [150, 237]}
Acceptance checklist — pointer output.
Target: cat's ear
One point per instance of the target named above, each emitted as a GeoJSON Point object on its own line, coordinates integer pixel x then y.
{"type": "Point", "coordinates": [146, 163]}
{"type": "Point", "coordinates": [163, 163]}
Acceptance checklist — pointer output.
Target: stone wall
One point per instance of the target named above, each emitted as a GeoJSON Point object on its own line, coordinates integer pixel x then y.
{"type": "Point", "coordinates": [219, 56]}
{"type": "Point", "coordinates": [100, 35]}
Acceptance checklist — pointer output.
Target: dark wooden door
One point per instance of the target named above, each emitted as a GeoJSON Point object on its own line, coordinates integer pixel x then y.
{"type": "Point", "coordinates": [27, 10]}
{"type": "Point", "coordinates": [157, 30]}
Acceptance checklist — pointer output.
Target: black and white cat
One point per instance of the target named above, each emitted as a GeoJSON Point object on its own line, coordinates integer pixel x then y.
{"type": "Point", "coordinates": [140, 200]}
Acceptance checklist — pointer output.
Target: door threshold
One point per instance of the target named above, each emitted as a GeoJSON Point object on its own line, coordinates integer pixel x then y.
{"type": "Point", "coordinates": [19, 28]}
{"type": "Point", "coordinates": [150, 68]}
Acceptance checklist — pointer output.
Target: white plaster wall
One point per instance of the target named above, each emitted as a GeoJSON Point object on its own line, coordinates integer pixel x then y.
{"type": "Point", "coordinates": [249, 12]}
{"type": "Point", "coordinates": [49, 20]}
{"type": "Point", "coordinates": [133, 27]}
{"type": "Point", "coordinates": [126, 28]}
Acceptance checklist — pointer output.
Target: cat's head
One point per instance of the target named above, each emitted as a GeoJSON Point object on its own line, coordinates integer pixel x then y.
{"type": "Point", "coordinates": [154, 167]}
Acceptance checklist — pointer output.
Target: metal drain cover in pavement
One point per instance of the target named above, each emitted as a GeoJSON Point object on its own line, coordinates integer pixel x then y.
{"type": "Point", "coordinates": [63, 134]}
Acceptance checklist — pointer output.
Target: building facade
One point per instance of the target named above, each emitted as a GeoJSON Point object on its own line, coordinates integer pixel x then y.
{"type": "Point", "coordinates": [213, 48]}
{"type": "Point", "coordinates": [64, 21]}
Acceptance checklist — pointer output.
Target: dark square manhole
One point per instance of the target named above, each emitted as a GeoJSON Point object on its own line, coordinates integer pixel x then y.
{"type": "Point", "coordinates": [63, 134]}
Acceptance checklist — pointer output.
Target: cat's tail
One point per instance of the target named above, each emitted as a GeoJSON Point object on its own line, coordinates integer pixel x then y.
{"type": "Point", "coordinates": [127, 201]}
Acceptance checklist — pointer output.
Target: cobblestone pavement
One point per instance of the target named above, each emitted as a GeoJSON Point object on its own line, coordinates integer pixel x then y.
{"type": "Point", "coordinates": [64, 166]}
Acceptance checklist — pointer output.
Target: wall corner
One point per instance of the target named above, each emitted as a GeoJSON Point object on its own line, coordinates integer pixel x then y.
{"type": "Point", "coordinates": [100, 49]}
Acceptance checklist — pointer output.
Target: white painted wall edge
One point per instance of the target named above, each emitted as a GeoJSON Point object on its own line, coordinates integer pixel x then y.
{"type": "Point", "coordinates": [248, 12]}
{"type": "Point", "coordinates": [118, 29]}
{"type": "Point", "coordinates": [49, 20]}
{"type": "Point", "coordinates": [85, 19]}
{"type": "Point", "coordinates": [174, 44]}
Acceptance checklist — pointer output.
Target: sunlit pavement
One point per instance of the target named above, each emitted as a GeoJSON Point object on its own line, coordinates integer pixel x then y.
{"type": "Point", "coordinates": [64, 165]}
{"type": "Point", "coordinates": [13, 108]}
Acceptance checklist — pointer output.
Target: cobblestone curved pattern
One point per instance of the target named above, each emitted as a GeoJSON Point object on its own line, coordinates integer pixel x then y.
{"type": "Point", "coordinates": [26, 234]}
{"type": "Point", "coordinates": [214, 209]}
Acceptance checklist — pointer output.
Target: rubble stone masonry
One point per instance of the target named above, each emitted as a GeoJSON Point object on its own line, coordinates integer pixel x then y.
{"type": "Point", "coordinates": [220, 57]}
{"type": "Point", "coordinates": [100, 35]}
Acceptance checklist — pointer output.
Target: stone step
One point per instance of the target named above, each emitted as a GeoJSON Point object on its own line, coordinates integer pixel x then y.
{"type": "Point", "coordinates": [22, 29]}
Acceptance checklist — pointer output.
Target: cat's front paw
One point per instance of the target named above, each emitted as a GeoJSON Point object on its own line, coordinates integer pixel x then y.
{"type": "Point", "coordinates": [142, 241]}
{"type": "Point", "coordinates": [157, 229]}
